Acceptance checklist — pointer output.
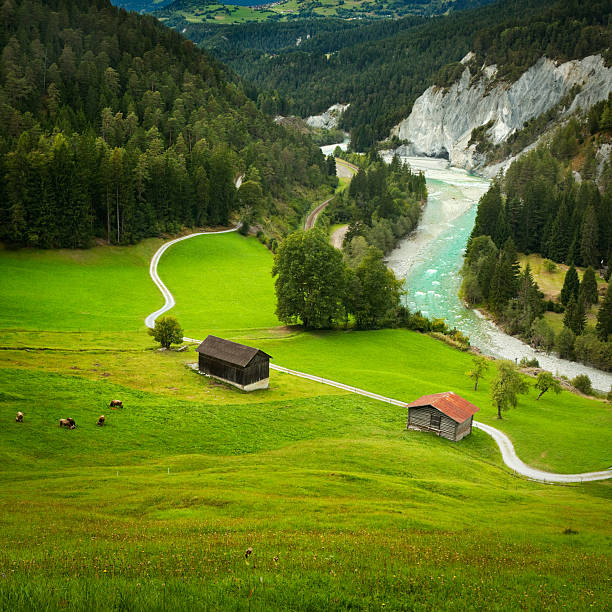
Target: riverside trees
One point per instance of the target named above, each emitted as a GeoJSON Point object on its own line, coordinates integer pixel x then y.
{"type": "Point", "coordinates": [315, 287]}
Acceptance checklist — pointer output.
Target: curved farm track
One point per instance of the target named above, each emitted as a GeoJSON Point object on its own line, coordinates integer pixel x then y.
{"type": "Point", "coordinates": [509, 455]}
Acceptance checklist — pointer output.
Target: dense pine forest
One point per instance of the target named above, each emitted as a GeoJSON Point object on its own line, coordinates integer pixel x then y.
{"type": "Point", "coordinates": [382, 204]}
{"type": "Point", "coordinates": [118, 128]}
{"type": "Point", "coordinates": [382, 68]}
{"type": "Point", "coordinates": [555, 201]}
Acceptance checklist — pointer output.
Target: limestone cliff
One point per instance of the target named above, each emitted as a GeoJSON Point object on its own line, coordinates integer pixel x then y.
{"type": "Point", "coordinates": [329, 119]}
{"type": "Point", "coordinates": [442, 119]}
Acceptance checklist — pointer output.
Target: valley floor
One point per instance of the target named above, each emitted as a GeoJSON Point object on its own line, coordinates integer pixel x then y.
{"type": "Point", "coordinates": [339, 504]}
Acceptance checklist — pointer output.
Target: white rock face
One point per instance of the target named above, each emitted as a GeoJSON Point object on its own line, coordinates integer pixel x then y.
{"type": "Point", "coordinates": [442, 120]}
{"type": "Point", "coordinates": [329, 119]}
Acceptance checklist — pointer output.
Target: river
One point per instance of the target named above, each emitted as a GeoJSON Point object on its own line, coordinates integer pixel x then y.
{"type": "Point", "coordinates": [430, 260]}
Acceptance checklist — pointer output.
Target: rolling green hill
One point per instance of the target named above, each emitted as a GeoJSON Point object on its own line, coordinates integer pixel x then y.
{"type": "Point", "coordinates": [340, 506]}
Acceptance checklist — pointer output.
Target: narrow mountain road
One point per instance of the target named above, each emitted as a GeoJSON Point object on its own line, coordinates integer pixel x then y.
{"type": "Point", "coordinates": [311, 219]}
{"type": "Point", "coordinates": [344, 169]}
{"type": "Point", "coordinates": [509, 455]}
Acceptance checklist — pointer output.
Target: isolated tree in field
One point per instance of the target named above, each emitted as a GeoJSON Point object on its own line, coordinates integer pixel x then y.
{"type": "Point", "coordinates": [311, 279]}
{"type": "Point", "coordinates": [571, 285]}
{"type": "Point", "coordinates": [480, 365]}
{"type": "Point", "coordinates": [167, 331]}
{"type": "Point", "coordinates": [604, 316]}
{"type": "Point", "coordinates": [546, 382]}
{"type": "Point", "coordinates": [506, 387]}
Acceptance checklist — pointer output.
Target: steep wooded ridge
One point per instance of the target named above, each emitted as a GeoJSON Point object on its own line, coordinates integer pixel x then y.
{"type": "Point", "coordinates": [381, 68]}
{"type": "Point", "coordinates": [116, 127]}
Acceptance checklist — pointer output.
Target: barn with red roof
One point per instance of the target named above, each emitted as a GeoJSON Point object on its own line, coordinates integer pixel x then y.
{"type": "Point", "coordinates": [446, 414]}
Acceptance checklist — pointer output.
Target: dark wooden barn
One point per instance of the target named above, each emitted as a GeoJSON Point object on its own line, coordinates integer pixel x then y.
{"type": "Point", "coordinates": [243, 366]}
{"type": "Point", "coordinates": [446, 414]}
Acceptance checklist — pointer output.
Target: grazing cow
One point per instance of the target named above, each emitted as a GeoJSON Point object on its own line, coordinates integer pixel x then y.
{"type": "Point", "coordinates": [64, 423]}
{"type": "Point", "coordinates": [101, 421]}
{"type": "Point", "coordinates": [116, 404]}
{"type": "Point", "coordinates": [19, 417]}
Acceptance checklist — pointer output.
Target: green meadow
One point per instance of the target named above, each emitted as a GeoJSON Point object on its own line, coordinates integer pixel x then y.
{"type": "Point", "coordinates": [340, 505]}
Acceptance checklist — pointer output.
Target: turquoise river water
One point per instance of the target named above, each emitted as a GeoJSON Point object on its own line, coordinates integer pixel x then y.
{"type": "Point", "coordinates": [430, 259]}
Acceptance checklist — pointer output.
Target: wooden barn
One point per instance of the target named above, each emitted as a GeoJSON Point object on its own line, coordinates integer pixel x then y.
{"type": "Point", "coordinates": [242, 366]}
{"type": "Point", "coordinates": [446, 414]}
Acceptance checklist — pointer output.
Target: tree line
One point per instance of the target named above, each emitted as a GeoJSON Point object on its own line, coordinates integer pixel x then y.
{"type": "Point", "coordinates": [382, 204]}
{"type": "Point", "coordinates": [540, 207]}
{"type": "Point", "coordinates": [118, 128]}
{"type": "Point", "coordinates": [319, 288]}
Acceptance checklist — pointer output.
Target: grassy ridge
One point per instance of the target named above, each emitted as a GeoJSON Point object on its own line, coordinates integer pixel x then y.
{"type": "Point", "coordinates": [342, 506]}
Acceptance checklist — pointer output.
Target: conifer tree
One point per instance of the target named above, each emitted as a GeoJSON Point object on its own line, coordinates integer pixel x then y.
{"type": "Point", "coordinates": [571, 286]}
{"type": "Point", "coordinates": [604, 316]}
{"type": "Point", "coordinates": [588, 287]}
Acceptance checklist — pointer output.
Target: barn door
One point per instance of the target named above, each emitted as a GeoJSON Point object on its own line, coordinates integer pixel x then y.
{"type": "Point", "coordinates": [435, 419]}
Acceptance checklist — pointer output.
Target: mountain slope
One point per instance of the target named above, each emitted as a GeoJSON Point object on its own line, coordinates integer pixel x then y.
{"type": "Point", "coordinates": [381, 68]}
{"type": "Point", "coordinates": [118, 128]}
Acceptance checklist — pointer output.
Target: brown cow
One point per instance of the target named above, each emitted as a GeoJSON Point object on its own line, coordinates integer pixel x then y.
{"type": "Point", "coordinates": [101, 421]}
{"type": "Point", "coordinates": [68, 423]}
{"type": "Point", "coordinates": [19, 417]}
{"type": "Point", "coordinates": [115, 404]}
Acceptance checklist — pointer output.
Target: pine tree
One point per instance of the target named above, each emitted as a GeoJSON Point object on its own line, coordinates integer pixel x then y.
{"type": "Point", "coordinates": [589, 243]}
{"type": "Point", "coordinates": [571, 286]}
{"type": "Point", "coordinates": [604, 316]}
{"type": "Point", "coordinates": [588, 287]}
{"type": "Point", "coordinates": [575, 316]}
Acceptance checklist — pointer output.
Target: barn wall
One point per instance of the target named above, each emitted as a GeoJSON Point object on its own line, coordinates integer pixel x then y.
{"type": "Point", "coordinates": [464, 429]}
{"type": "Point", "coordinates": [220, 369]}
{"type": "Point", "coordinates": [421, 417]}
{"type": "Point", "coordinates": [258, 369]}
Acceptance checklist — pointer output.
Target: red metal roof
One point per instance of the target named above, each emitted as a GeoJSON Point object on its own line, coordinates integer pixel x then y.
{"type": "Point", "coordinates": [452, 405]}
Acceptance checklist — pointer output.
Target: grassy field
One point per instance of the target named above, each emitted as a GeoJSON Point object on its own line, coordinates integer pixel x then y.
{"type": "Point", "coordinates": [77, 290]}
{"type": "Point", "coordinates": [551, 283]}
{"type": "Point", "coordinates": [342, 507]}
{"type": "Point", "coordinates": [222, 284]}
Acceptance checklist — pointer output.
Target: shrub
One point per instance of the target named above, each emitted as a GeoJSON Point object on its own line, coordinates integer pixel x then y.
{"type": "Point", "coordinates": [583, 383]}
{"type": "Point", "coordinates": [529, 363]}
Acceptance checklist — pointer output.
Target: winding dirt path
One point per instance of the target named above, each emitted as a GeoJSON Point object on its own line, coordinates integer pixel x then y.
{"type": "Point", "coordinates": [509, 455]}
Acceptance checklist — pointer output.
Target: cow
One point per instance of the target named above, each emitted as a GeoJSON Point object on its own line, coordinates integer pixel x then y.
{"type": "Point", "coordinates": [68, 423]}
{"type": "Point", "coordinates": [101, 421]}
{"type": "Point", "coordinates": [115, 404]}
{"type": "Point", "coordinates": [19, 417]}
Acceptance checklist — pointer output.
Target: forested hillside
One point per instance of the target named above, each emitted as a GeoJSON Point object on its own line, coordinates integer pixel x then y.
{"type": "Point", "coordinates": [115, 127]}
{"type": "Point", "coordinates": [381, 68]}
{"type": "Point", "coordinates": [555, 201]}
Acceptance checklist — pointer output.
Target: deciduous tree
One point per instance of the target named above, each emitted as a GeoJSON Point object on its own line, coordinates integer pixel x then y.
{"type": "Point", "coordinates": [506, 387]}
